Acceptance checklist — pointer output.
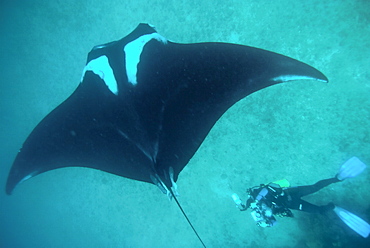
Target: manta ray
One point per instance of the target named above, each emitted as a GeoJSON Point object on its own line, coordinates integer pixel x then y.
{"type": "Point", "coordinates": [145, 104]}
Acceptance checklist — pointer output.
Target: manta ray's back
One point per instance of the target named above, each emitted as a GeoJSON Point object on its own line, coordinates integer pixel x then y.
{"type": "Point", "coordinates": [145, 104]}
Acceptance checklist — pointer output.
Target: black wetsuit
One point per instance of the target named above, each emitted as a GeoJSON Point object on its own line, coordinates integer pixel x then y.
{"type": "Point", "coordinates": [295, 193]}
{"type": "Point", "coordinates": [280, 200]}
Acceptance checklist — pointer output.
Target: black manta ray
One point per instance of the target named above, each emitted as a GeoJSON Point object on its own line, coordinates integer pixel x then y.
{"type": "Point", "coordinates": [145, 105]}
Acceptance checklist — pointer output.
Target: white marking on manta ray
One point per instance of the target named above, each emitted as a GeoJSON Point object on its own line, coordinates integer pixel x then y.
{"type": "Point", "coordinates": [25, 178]}
{"type": "Point", "coordinates": [101, 46]}
{"type": "Point", "coordinates": [28, 177]}
{"type": "Point", "coordinates": [286, 78]}
{"type": "Point", "coordinates": [174, 184]}
{"type": "Point", "coordinates": [133, 51]}
{"type": "Point", "coordinates": [162, 186]}
{"type": "Point", "coordinates": [137, 145]}
{"type": "Point", "coordinates": [100, 66]}
{"type": "Point", "coordinates": [104, 45]}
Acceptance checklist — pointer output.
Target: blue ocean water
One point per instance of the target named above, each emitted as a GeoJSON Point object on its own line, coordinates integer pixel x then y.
{"type": "Point", "coordinates": [301, 131]}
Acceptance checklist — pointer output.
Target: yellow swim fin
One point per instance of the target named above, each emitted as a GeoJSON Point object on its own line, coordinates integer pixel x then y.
{"type": "Point", "coordinates": [283, 183]}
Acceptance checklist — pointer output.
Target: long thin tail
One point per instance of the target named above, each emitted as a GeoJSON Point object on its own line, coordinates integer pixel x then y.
{"type": "Point", "coordinates": [191, 225]}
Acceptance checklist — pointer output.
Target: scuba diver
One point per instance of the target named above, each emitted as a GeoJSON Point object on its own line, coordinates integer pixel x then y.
{"type": "Point", "coordinates": [278, 198]}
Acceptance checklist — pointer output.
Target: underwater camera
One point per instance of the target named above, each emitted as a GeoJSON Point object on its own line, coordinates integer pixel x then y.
{"type": "Point", "coordinates": [262, 215]}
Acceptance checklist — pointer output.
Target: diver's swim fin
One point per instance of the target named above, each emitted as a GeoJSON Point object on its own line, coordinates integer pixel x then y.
{"type": "Point", "coordinates": [354, 222]}
{"type": "Point", "coordinates": [351, 168]}
{"type": "Point", "coordinates": [283, 183]}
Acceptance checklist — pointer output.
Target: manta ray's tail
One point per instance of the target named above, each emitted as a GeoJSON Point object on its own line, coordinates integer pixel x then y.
{"type": "Point", "coordinates": [183, 212]}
